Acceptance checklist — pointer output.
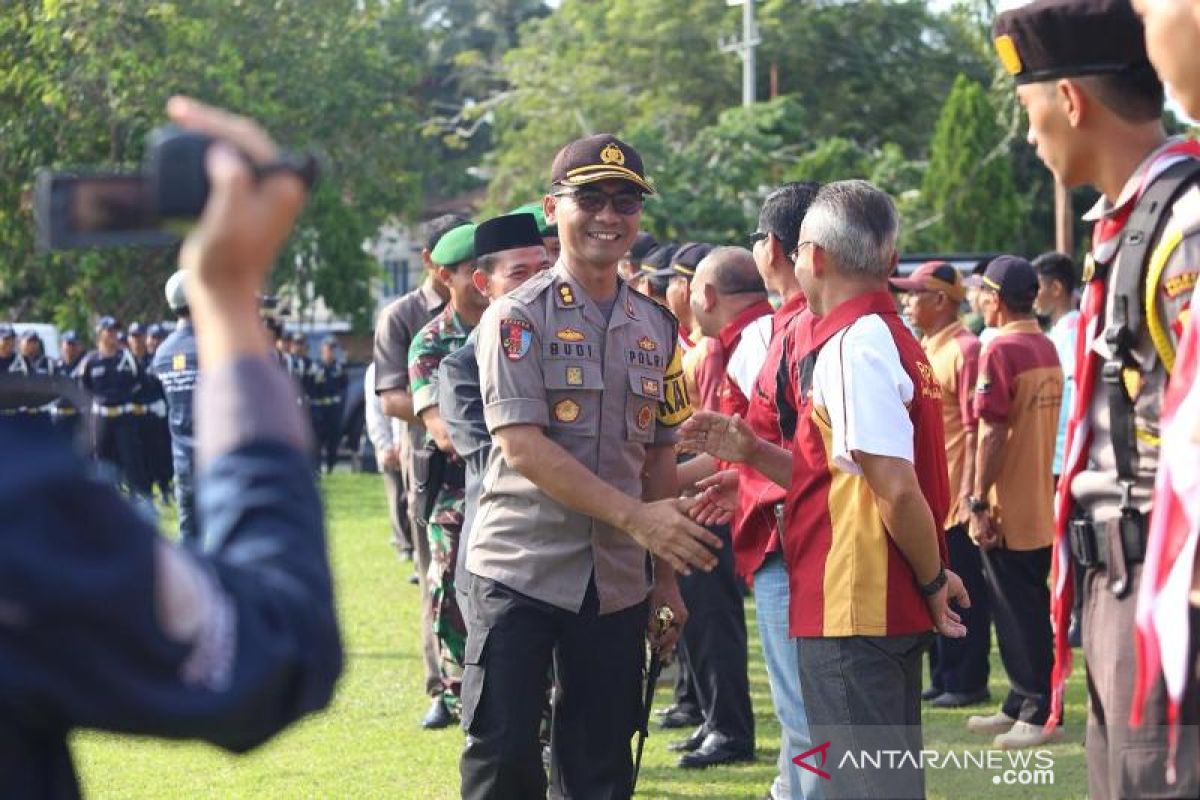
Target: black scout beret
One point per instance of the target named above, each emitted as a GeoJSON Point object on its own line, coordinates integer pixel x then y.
{"type": "Point", "coordinates": [509, 232]}
{"type": "Point", "coordinates": [1045, 40]}
{"type": "Point", "coordinates": [597, 158]}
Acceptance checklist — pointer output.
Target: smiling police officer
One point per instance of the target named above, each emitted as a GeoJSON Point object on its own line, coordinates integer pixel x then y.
{"type": "Point", "coordinates": [582, 392]}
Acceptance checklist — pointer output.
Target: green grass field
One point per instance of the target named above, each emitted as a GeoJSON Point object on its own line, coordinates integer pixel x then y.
{"type": "Point", "coordinates": [369, 743]}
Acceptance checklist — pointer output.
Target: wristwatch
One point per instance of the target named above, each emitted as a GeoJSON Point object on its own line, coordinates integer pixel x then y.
{"type": "Point", "coordinates": [978, 505]}
{"type": "Point", "coordinates": [935, 585]}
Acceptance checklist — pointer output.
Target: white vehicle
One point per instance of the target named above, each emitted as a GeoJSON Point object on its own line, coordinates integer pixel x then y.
{"type": "Point", "coordinates": [46, 332]}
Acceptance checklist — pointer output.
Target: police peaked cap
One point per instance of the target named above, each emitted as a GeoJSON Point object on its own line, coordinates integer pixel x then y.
{"type": "Point", "coordinates": [539, 216]}
{"type": "Point", "coordinates": [1045, 40]}
{"type": "Point", "coordinates": [688, 257]}
{"type": "Point", "coordinates": [509, 232]}
{"type": "Point", "coordinates": [457, 246]}
{"type": "Point", "coordinates": [598, 158]}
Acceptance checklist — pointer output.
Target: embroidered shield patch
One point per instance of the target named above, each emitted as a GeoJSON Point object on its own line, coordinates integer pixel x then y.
{"type": "Point", "coordinates": [644, 415]}
{"type": "Point", "coordinates": [516, 335]}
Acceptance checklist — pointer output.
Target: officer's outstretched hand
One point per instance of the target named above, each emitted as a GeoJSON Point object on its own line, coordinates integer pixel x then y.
{"type": "Point", "coordinates": [663, 528]}
{"type": "Point", "coordinates": [946, 619]}
{"type": "Point", "coordinates": [230, 252]}
{"type": "Point", "coordinates": [727, 438]}
{"type": "Point", "coordinates": [718, 498]}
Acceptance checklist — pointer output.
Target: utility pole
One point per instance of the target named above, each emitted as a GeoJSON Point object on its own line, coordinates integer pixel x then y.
{"type": "Point", "coordinates": [745, 48]}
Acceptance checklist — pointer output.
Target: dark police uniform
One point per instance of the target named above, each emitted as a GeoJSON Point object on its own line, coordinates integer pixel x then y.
{"type": "Point", "coordinates": [176, 366]}
{"type": "Point", "coordinates": [105, 625]}
{"type": "Point", "coordinates": [327, 399]}
{"type": "Point", "coordinates": [114, 382]}
{"type": "Point", "coordinates": [64, 414]}
{"type": "Point", "coordinates": [548, 581]}
{"type": "Point", "coordinates": [150, 406]}
{"type": "Point", "coordinates": [1112, 452]}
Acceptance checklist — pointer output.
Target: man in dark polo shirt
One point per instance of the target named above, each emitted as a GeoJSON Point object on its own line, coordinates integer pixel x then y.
{"type": "Point", "coordinates": [397, 325]}
{"type": "Point", "coordinates": [867, 485]}
{"type": "Point", "coordinates": [1017, 398]}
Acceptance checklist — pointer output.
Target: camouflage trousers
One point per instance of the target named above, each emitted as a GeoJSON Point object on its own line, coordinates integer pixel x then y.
{"type": "Point", "coordinates": [445, 525]}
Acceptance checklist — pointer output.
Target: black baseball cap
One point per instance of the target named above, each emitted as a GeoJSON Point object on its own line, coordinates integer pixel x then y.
{"type": "Point", "coordinates": [106, 324]}
{"type": "Point", "coordinates": [1013, 278]}
{"type": "Point", "coordinates": [598, 158]}
{"type": "Point", "coordinates": [1049, 39]}
{"type": "Point", "coordinates": [688, 257]}
{"type": "Point", "coordinates": [643, 243]}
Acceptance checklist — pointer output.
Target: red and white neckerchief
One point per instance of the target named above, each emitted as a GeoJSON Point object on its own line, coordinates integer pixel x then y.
{"type": "Point", "coordinates": [1106, 239]}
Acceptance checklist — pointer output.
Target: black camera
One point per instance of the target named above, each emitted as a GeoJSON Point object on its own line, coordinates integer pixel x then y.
{"type": "Point", "coordinates": [152, 207]}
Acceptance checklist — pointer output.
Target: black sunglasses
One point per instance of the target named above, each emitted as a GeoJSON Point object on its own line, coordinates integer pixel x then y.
{"type": "Point", "coordinates": [593, 201]}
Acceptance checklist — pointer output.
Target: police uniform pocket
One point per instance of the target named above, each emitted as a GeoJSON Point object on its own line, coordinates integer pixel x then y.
{"type": "Point", "coordinates": [641, 406]}
{"type": "Point", "coordinates": [573, 390]}
{"type": "Point", "coordinates": [474, 675]}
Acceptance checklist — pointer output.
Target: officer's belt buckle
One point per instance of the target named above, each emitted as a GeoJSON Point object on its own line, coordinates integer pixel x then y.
{"type": "Point", "coordinates": [137, 409]}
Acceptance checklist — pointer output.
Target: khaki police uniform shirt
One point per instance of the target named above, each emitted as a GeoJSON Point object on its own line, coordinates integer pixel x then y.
{"type": "Point", "coordinates": [398, 325]}
{"type": "Point", "coordinates": [604, 390]}
{"type": "Point", "coordinates": [1096, 488]}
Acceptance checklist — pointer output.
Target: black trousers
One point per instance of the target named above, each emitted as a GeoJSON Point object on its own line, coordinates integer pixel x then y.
{"type": "Point", "coordinates": [512, 641]}
{"type": "Point", "coordinates": [118, 443]}
{"type": "Point", "coordinates": [962, 665]}
{"type": "Point", "coordinates": [1020, 600]}
{"type": "Point", "coordinates": [715, 639]}
{"type": "Point", "coordinates": [862, 694]}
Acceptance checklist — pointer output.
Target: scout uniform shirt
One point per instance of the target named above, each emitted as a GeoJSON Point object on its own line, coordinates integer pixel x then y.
{"type": "Point", "coordinates": [1170, 278]}
{"type": "Point", "coordinates": [1020, 385]}
{"type": "Point", "coordinates": [604, 390]}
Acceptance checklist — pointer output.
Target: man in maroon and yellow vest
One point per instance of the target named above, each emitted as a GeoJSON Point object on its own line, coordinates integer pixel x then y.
{"type": "Point", "coordinates": [867, 491]}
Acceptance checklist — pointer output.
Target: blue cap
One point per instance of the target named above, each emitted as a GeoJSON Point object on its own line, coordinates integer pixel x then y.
{"type": "Point", "coordinates": [30, 334]}
{"type": "Point", "coordinates": [70, 337]}
{"type": "Point", "coordinates": [136, 329]}
{"type": "Point", "coordinates": [106, 324]}
{"type": "Point", "coordinates": [154, 330]}
{"type": "Point", "coordinates": [6, 330]}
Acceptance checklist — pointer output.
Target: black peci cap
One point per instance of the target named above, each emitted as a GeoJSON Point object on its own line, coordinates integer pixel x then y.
{"type": "Point", "coordinates": [598, 158]}
{"type": "Point", "coordinates": [507, 232]}
{"type": "Point", "coordinates": [643, 243]}
{"type": "Point", "coordinates": [1049, 39]}
{"type": "Point", "coordinates": [1013, 278]}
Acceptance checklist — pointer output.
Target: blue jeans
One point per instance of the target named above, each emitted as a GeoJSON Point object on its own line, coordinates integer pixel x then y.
{"type": "Point", "coordinates": [782, 654]}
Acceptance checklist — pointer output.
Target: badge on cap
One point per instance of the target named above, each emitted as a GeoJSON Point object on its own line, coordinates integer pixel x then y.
{"type": "Point", "coordinates": [566, 295]}
{"type": "Point", "coordinates": [566, 410]}
{"type": "Point", "coordinates": [1006, 48]}
{"type": "Point", "coordinates": [516, 335]}
{"type": "Point", "coordinates": [612, 155]}
{"type": "Point", "coordinates": [574, 376]}
{"type": "Point", "coordinates": [570, 334]}
{"type": "Point", "coordinates": [644, 415]}
{"type": "Point", "coordinates": [647, 344]}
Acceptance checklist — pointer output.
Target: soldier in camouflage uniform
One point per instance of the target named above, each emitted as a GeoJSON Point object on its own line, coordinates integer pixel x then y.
{"type": "Point", "coordinates": [438, 470]}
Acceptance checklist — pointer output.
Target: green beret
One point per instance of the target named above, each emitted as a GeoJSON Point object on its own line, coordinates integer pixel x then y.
{"type": "Point", "coordinates": [1050, 39]}
{"type": "Point", "coordinates": [540, 216]}
{"type": "Point", "coordinates": [455, 247]}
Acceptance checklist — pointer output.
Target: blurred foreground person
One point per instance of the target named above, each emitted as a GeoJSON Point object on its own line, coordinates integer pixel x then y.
{"type": "Point", "coordinates": [1095, 117]}
{"type": "Point", "coordinates": [103, 624]}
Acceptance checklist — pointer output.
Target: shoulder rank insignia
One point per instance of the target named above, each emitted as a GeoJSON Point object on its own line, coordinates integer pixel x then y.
{"type": "Point", "coordinates": [647, 344]}
{"type": "Point", "coordinates": [566, 294]}
{"type": "Point", "coordinates": [566, 410]}
{"type": "Point", "coordinates": [570, 334]}
{"type": "Point", "coordinates": [516, 335]}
